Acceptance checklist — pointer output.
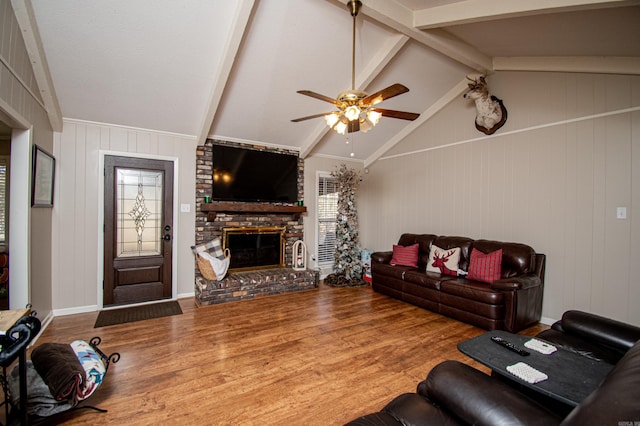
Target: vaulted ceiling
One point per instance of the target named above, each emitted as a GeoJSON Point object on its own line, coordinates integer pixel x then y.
{"type": "Point", "coordinates": [231, 69]}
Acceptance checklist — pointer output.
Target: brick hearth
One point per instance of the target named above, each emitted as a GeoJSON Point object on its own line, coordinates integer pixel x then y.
{"type": "Point", "coordinates": [249, 284]}
{"type": "Point", "coordinates": [252, 284]}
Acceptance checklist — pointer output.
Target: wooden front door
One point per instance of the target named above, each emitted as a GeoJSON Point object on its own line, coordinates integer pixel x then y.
{"type": "Point", "coordinates": [138, 230]}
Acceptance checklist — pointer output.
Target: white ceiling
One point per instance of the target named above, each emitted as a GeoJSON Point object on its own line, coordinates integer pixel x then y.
{"type": "Point", "coordinates": [231, 69]}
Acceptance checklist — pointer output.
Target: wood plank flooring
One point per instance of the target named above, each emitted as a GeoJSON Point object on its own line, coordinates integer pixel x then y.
{"type": "Point", "coordinates": [319, 357]}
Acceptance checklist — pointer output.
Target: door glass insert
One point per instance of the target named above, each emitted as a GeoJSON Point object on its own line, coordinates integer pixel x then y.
{"type": "Point", "coordinates": [139, 212]}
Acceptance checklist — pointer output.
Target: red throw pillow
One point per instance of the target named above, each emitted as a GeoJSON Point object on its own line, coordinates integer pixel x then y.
{"type": "Point", "coordinates": [405, 255]}
{"type": "Point", "coordinates": [485, 267]}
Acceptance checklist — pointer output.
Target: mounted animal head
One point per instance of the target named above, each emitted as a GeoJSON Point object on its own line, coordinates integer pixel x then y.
{"type": "Point", "coordinates": [490, 111]}
{"type": "Point", "coordinates": [477, 88]}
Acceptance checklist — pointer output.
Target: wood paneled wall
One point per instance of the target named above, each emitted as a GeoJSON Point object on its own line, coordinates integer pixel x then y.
{"type": "Point", "coordinates": [76, 266]}
{"type": "Point", "coordinates": [21, 107]}
{"type": "Point", "coordinates": [552, 178]}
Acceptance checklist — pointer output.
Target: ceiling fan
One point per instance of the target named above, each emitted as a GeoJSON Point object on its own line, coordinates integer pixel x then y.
{"type": "Point", "coordinates": [357, 109]}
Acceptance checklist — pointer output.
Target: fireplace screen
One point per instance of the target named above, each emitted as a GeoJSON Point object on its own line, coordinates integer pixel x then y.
{"type": "Point", "coordinates": [259, 247]}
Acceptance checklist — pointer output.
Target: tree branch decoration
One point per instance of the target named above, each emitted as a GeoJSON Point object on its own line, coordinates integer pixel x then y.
{"type": "Point", "coordinates": [347, 267]}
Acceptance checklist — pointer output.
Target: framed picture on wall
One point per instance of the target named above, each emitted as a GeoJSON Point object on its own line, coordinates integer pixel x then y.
{"type": "Point", "coordinates": [44, 170]}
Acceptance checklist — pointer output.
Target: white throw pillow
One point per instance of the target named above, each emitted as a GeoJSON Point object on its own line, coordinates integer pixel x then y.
{"type": "Point", "coordinates": [443, 261]}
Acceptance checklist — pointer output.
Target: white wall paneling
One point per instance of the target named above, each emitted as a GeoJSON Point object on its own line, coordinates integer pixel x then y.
{"type": "Point", "coordinates": [552, 178]}
{"type": "Point", "coordinates": [30, 229]}
{"type": "Point", "coordinates": [77, 243]}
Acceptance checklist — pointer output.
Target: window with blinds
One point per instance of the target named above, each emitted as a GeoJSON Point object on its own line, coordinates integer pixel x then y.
{"type": "Point", "coordinates": [327, 212]}
{"type": "Point", "coordinates": [4, 169]}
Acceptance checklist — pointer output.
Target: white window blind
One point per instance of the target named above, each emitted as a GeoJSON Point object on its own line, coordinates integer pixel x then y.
{"type": "Point", "coordinates": [327, 212]}
{"type": "Point", "coordinates": [4, 165]}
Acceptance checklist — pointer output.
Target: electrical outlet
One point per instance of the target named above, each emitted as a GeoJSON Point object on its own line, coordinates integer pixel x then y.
{"type": "Point", "coordinates": [185, 208]}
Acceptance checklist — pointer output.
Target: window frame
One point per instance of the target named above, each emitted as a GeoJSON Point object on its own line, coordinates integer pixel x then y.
{"type": "Point", "coordinates": [321, 251]}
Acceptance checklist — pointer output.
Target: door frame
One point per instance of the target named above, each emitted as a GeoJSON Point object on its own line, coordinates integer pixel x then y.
{"type": "Point", "coordinates": [19, 235]}
{"type": "Point", "coordinates": [174, 204]}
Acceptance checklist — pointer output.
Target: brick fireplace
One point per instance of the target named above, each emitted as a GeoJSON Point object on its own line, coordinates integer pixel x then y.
{"type": "Point", "coordinates": [219, 219]}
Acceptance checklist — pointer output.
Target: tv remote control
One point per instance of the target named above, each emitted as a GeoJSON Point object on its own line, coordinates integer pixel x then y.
{"type": "Point", "coordinates": [507, 344]}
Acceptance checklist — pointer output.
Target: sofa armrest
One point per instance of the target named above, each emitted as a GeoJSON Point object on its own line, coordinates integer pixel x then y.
{"type": "Point", "coordinates": [605, 331]}
{"type": "Point", "coordinates": [517, 283]}
{"type": "Point", "coordinates": [381, 256]}
{"type": "Point", "coordinates": [477, 398]}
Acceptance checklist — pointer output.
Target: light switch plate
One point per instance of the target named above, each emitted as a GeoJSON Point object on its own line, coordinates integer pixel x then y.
{"type": "Point", "coordinates": [621, 213]}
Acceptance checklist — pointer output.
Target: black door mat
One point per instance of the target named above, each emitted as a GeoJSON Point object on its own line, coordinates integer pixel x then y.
{"type": "Point", "coordinates": [137, 313]}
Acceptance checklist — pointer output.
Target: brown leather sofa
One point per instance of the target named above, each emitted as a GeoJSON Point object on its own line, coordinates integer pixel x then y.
{"type": "Point", "coordinates": [511, 303]}
{"type": "Point", "coordinates": [457, 394]}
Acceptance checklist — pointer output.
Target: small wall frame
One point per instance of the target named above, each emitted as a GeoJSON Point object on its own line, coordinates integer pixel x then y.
{"type": "Point", "coordinates": [44, 170]}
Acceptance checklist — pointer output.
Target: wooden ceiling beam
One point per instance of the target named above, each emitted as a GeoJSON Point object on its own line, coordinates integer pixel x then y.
{"type": "Point", "coordinates": [238, 29]}
{"type": "Point", "coordinates": [469, 11]}
{"type": "Point", "coordinates": [580, 64]}
{"type": "Point", "coordinates": [25, 16]}
{"type": "Point", "coordinates": [400, 19]}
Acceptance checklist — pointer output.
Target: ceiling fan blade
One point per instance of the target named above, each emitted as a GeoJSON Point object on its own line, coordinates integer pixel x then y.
{"type": "Point", "coordinates": [397, 114]}
{"type": "Point", "coordinates": [381, 95]}
{"type": "Point", "coordinates": [317, 96]}
{"type": "Point", "coordinates": [309, 117]}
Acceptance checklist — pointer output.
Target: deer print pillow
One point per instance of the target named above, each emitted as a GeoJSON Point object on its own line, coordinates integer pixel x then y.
{"type": "Point", "coordinates": [443, 261]}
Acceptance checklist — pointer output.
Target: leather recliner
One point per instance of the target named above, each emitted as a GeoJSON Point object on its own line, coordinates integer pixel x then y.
{"type": "Point", "coordinates": [457, 394]}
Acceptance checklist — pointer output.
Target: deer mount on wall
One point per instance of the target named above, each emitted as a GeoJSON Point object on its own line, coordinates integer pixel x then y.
{"type": "Point", "coordinates": [490, 111]}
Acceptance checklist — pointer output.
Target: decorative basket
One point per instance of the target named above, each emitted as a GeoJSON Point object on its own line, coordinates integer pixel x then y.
{"type": "Point", "coordinates": [205, 266]}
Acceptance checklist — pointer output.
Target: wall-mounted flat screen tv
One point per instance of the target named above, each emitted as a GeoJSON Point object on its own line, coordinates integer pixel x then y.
{"type": "Point", "coordinates": [241, 174]}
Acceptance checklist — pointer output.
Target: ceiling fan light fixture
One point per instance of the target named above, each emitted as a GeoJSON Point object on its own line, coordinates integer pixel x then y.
{"type": "Point", "coordinates": [373, 116]}
{"type": "Point", "coordinates": [352, 112]}
{"type": "Point", "coordinates": [331, 119]}
{"type": "Point", "coordinates": [365, 125]}
{"type": "Point", "coordinates": [341, 128]}
{"type": "Point", "coordinates": [356, 107]}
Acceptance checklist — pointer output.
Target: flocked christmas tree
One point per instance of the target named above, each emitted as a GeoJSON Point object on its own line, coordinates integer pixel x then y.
{"type": "Point", "coordinates": [347, 266]}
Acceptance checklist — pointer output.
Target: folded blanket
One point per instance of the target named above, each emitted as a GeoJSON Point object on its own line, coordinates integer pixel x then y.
{"type": "Point", "coordinates": [59, 367]}
{"type": "Point", "coordinates": [40, 402]}
{"type": "Point", "coordinates": [220, 267]}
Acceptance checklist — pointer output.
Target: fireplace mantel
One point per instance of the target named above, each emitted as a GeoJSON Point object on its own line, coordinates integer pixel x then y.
{"type": "Point", "coordinates": [215, 207]}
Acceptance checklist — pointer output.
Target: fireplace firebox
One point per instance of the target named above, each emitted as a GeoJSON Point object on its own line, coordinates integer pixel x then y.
{"type": "Point", "coordinates": [255, 247]}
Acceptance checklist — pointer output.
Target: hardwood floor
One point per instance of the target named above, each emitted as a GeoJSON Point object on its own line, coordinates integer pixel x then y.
{"type": "Point", "coordinates": [319, 357]}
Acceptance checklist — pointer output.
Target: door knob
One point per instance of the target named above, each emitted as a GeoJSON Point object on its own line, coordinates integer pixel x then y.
{"type": "Point", "coordinates": [167, 237]}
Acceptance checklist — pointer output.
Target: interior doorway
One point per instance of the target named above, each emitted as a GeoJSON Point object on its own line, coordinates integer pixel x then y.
{"type": "Point", "coordinates": [16, 132]}
{"type": "Point", "coordinates": [138, 230]}
{"type": "Point", "coordinates": [5, 161]}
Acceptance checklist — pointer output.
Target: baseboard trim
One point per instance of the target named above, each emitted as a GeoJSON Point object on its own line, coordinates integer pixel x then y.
{"type": "Point", "coordinates": [77, 310]}
{"type": "Point", "coordinates": [547, 321]}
